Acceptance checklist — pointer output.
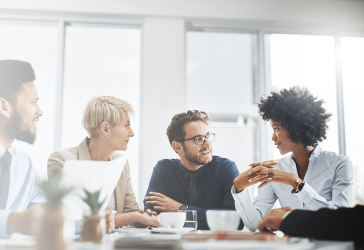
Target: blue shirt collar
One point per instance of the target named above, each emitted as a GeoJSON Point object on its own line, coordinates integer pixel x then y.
{"type": "Point", "coordinates": [317, 151]}
{"type": "Point", "coordinates": [10, 150]}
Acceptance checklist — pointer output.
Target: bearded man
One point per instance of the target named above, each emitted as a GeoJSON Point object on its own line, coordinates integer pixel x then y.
{"type": "Point", "coordinates": [19, 114]}
{"type": "Point", "coordinates": [198, 180]}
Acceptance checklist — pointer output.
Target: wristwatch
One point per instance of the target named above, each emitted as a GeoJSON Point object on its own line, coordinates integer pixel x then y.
{"type": "Point", "coordinates": [300, 186]}
{"type": "Point", "coordinates": [184, 207]}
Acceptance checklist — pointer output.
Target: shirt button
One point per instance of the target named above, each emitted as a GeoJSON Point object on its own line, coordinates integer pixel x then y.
{"type": "Point", "coordinates": [304, 197]}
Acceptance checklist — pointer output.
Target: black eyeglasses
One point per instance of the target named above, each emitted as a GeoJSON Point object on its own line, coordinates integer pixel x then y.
{"type": "Point", "coordinates": [199, 140]}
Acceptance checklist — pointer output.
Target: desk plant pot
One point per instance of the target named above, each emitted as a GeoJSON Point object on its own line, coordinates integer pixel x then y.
{"type": "Point", "coordinates": [91, 227]}
{"type": "Point", "coordinates": [50, 234]}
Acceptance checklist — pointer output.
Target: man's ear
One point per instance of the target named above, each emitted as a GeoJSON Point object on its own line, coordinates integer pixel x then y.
{"type": "Point", "coordinates": [5, 108]}
{"type": "Point", "coordinates": [177, 146]}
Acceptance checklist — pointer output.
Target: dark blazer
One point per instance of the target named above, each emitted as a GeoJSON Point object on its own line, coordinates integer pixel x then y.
{"type": "Point", "coordinates": [345, 224]}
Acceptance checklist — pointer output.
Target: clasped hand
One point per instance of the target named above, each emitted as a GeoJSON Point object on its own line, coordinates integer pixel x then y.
{"type": "Point", "coordinates": [264, 172]}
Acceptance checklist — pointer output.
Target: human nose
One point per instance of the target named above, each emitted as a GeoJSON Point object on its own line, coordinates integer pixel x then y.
{"type": "Point", "coordinates": [274, 136]}
{"type": "Point", "coordinates": [207, 142]}
{"type": "Point", "coordinates": [39, 111]}
{"type": "Point", "coordinates": [131, 133]}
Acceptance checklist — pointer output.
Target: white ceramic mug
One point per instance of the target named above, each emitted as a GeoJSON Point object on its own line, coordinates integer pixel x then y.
{"type": "Point", "coordinates": [222, 220]}
{"type": "Point", "coordinates": [172, 219]}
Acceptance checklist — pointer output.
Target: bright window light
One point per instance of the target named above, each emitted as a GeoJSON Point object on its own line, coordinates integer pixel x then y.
{"type": "Point", "coordinates": [307, 61]}
{"type": "Point", "coordinates": [36, 44]}
{"type": "Point", "coordinates": [101, 61]}
{"type": "Point", "coordinates": [353, 84]}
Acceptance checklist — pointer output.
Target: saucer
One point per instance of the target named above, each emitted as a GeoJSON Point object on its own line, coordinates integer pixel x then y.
{"type": "Point", "coordinates": [172, 230]}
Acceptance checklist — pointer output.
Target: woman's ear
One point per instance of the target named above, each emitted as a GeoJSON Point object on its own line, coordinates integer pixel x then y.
{"type": "Point", "coordinates": [104, 127]}
{"type": "Point", "coordinates": [5, 108]}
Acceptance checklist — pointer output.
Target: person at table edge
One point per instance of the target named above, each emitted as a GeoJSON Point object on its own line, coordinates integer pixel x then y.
{"type": "Point", "coordinates": [344, 224]}
{"type": "Point", "coordinates": [198, 180]}
{"type": "Point", "coordinates": [310, 178]}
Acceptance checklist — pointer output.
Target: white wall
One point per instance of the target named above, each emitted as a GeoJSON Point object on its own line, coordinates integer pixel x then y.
{"type": "Point", "coordinates": [162, 91]}
{"type": "Point", "coordinates": [331, 15]}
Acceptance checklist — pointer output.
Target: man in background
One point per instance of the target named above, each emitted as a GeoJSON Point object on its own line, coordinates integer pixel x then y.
{"type": "Point", "coordinates": [19, 115]}
{"type": "Point", "coordinates": [197, 180]}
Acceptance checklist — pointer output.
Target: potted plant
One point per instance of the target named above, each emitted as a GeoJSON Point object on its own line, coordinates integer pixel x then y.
{"type": "Point", "coordinates": [91, 227]}
{"type": "Point", "coordinates": [50, 235]}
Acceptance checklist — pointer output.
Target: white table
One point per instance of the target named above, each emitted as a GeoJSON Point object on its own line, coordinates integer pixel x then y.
{"type": "Point", "coordinates": [27, 243]}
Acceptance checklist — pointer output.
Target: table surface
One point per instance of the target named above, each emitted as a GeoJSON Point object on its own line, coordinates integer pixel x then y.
{"type": "Point", "coordinates": [22, 242]}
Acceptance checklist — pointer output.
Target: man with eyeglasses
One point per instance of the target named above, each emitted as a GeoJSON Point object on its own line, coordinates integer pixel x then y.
{"type": "Point", "coordinates": [198, 180]}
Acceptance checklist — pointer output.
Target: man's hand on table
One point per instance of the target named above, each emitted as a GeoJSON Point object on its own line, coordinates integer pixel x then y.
{"type": "Point", "coordinates": [26, 222]}
{"type": "Point", "coordinates": [147, 218]}
{"type": "Point", "coordinates": [272, 220]}
{"type": "Point", "coordinates": [162, 203]}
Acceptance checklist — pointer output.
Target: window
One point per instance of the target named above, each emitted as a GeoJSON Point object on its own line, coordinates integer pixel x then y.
{"type": "Point", "coordinates": [219, 82]}
{"type": "Point", "coordinates": [36, 44]}
{"type": "Point", "coordinates": [353, 79]}
{"type": "Point", "coordinates": [101, 61]}
{"type": "Point", "coordinates": [307, 61]}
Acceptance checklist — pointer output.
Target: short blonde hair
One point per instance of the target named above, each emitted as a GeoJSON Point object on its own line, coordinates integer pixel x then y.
{"type": "Point", "coordinates": [104, 109]}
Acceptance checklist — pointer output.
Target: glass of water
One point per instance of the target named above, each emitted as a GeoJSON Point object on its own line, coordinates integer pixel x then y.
{"type": "Point", "coordinates": [191, 218]}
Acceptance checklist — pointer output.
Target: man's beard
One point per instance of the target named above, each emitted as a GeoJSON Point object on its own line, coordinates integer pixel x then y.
{"type": "Point", "coordinates": [16, 132]}
{"type": "Point", "coordinates": [193, 158]}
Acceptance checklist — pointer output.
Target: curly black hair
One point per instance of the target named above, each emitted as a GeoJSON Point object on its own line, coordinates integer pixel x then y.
{"type": "Point", "coordinates": [299, 112]}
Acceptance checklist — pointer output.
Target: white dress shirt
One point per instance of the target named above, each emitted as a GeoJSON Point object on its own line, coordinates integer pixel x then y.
{"type": "Point", "coordinates": [23, 190]}
{"type": "Point", "coordinates": [328, 183]}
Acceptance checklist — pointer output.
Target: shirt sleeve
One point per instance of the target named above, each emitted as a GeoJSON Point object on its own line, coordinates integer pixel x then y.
{"type": "Point", "coordinates": [341, 189]}
{"type": "Point", "coordinates": [250, 212]}
{"type": "Point", "coordinates": [4, 215]}
{"type": "Point", "coordinates": [37, 195]}
{"type": "Point", "coordinates": [156, 184]}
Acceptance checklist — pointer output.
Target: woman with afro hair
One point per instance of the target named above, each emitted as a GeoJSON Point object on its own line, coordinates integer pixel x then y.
{"type": "Point", "coordinates": [309, 178]}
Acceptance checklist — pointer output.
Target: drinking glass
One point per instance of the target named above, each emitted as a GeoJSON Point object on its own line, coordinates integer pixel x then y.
{"type": "Point", "coordinates": [191, 218]}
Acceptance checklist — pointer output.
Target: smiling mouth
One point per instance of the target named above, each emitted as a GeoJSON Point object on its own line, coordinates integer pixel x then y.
{"type": "Point", "coordinates": [206, 152]}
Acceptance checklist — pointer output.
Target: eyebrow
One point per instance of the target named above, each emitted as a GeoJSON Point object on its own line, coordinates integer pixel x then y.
{"type": "Point", "coordinates": [274, 125]}
{"type": "Point", "coordinates": [201, 135]}
{"type": "Point", "coordinates": [35, 99]}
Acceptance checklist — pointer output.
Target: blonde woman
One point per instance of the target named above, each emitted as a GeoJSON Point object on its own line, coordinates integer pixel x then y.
{"type": "Point", "coordinates": [106, 119]}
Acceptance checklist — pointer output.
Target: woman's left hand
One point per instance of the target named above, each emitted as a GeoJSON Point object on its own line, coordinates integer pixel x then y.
{"type": "Point", "coordinates": [279, 176]}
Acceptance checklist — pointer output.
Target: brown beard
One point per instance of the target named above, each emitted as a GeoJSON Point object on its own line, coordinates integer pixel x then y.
{"type": "Point", "coordinates": [16, 132]}
{"type": "Point", "coordinates": [193, 158]}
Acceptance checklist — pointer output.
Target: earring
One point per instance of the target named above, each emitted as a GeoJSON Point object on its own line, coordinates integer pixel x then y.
{"type": "Point", "coordinates": [107, 136]}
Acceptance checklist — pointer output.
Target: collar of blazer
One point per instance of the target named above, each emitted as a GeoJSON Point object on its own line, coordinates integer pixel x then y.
{"type": "Point", "coordinates": [84, 154]}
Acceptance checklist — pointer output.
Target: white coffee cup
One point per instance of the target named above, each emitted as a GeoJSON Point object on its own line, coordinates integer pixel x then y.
{"type": "Point", "coordinates": [172, 219]}
{"type": "Point", "coordinates": [222, 220]}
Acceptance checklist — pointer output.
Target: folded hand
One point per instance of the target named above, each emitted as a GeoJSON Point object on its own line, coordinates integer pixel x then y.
{"type": "Point", "coordinates": [244, 180]}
